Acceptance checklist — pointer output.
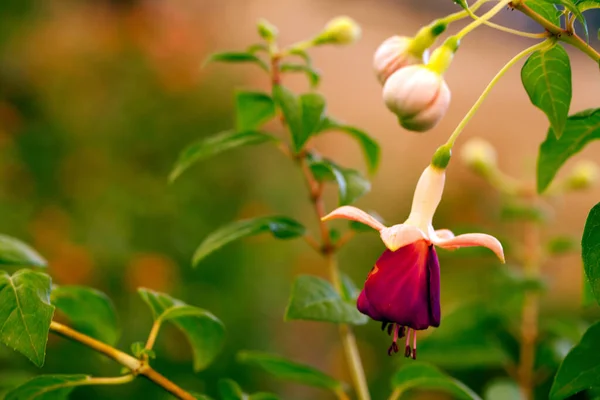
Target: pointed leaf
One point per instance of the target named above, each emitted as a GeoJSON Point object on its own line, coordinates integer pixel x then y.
{"type": "Point", "coordinates": [584, 5]}
{"type": "Point", "coordinates": [47, 387]}
{"type": "Point", "coordinates": [88, 310]}
{"type": "Point", "coordinates": [204, 331]}
{"type": "Point", "coordinates": [314, 299]}
{"type": "Point", "coordinates": [572, 7]}
{"type": "Point", "coordinates": [280, 227]}
{"type": "Point", "coordinates": [590, 251]}
{"type": "Point", "coordinates": [314, 77]}
{"type": "Point", "coordinates": [313, 113]}
{"type": "Point", "coordinates": [285, 369]}
{"type": "Point", "coordinates": [369, 146]}
{"type": "Point", "coordinates": [26, 313]}
{"type": "Point", "coordinates": [138, 349]}
{"type": "Point", "coordinates": [351, 184]}
{"type": "Point", "coordinates": [291, 108]}
{"type": "Point", "coordinates": [425, 376]}
{"type": "Point", "coordinates": [253, 109]}
{"type": "Point", "coordinates": [13, 252]}
{"type": "Point", "coordinates": [230, 390]}
{"type": "Point", "coordinates": [580, 368]}
{"type": "Point", "coordinates": [580, 129]}
{"type": "Point", "coordinates": [546, 77]}
{"type": "Point", "coordinates": [237, 57]}
{"type": "Point", "coordinates": [214, 145]}
{"type": "Point", "coordinates": [350, 291]}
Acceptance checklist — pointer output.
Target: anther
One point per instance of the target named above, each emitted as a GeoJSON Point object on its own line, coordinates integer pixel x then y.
{"type": "Point", "coordinates": [390, 328]}
{"type": "Point", "coordinates": [390, 350]}
{"type": "Point", "coordinates": [414, 354]}
{"type": "Point", "coordinates": [395, 347]}
{"type": "Point", "coordinates": [407, 351]}
{"type": "Point", "coordinates": [383, 325]}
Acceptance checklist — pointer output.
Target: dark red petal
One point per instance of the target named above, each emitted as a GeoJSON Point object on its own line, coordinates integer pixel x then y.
{"type": "Point", "coordinates": [404, 287]}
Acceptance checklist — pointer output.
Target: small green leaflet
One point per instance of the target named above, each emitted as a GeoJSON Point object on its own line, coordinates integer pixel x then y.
{"type": "Point", "coordinates": [285, 369]}
{"type": "Point", "coordinates": [418, 375]}
{"type": "Point", "coordinates": [280, 227]}
{"type": "Point", "coordinates": [314, 77]}
{"type": "Point", "coordinates": [138, 349]}
{"type": "Point", "coordinates": [580, 368]}
{"type": "Point", "coordinates": [314, 299]}
{"type": "Point", "coordinates": [237, 57]}
{"type": "Point", "coordinates": [590, 250]}
{"type": "Point", "coordinates": [252, 109]}
{"type": "Point", "coordinates": [369, 146]}
{"type": "Point", "coordinates": [14, 252]}
{"type": "Point", "coordinates": [349, 290]}
{"type": "Point", "coordinates": [580, 129]}
{"type": "Point", "coordinates": [204, 331]}
{"type": "Point", "coordinates": [214, 145]}
{"type": "Point", "coordinates": [88, 310]}
{"type": "Point", "coordinates": [47, 387]}
{"type": "Point", "coordinates": [546, 77]}
{"type": "Point", "coordinates": [351, 184]}
{"type": "Point", "coordinates": [303, 114]}
{"type": "Point", "coordinates": [503, 389]}
{"type": "Point", "coordinates": [26, 313]}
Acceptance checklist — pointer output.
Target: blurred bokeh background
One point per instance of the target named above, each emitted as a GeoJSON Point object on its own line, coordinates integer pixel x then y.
{"type": "Point", "coordinates": [97, 98]}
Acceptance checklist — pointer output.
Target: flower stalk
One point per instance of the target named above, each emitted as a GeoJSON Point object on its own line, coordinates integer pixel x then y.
{"type": "Point", "coordinates": [137, 367]}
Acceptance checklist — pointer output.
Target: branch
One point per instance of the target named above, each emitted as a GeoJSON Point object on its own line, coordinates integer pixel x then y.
{"type": "Point", "coordinates": [136, 366]}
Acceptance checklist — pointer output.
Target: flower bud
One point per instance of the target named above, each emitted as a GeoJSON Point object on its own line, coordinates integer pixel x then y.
{"type": "Point", "coordinates": [418, 96]}
{"type": "Point", "coordinates": [394, 53]}
{"type": "Point", "coordinates": [479, 155]}
{"type": "Point", "coordinates": [583, 175]}
{"type": "Point", "coordinates": [266, 30]}
{"type": "Point", "coordinates": [340, 30]}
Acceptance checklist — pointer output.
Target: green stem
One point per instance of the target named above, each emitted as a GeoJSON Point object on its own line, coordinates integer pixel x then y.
{"type": "Point", "coordinates": [558, 32]}
{"type": "Point", "coordinates": [119, 380]}
{"type": "Point", "coordinates": [457, 16]}
{"type": "Point", "coordinates": [489, 88]}
{"type": "Point", "coordinates": [493, 11]}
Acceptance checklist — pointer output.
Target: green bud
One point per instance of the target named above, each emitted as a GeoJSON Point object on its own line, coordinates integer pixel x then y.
{"type": "Point", "coordinates": [339, 31]}
{"type": "Point", "coordinates": [426, 37]}
{"type": "Point", "coordinates": [266, 30]}
{"type": "Point", "coordinates": [583, 175]}
{"type": "Point", "coordinates": [441, 157]}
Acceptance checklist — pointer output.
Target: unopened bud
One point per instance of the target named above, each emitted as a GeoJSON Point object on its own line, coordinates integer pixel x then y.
{"type": "Point", "coordinates": [441, 58]}
{"type": "Point", "coordinates": [418, 96]}
{"type": "Point", "coordinates": [479, 155]}
{"type": "Point", "coordinates": [394, 53]}
{"type": "Point", "coordinates": [583, 175]}
{"type": "Point", "coordinates": [266, 30]}
{"type": "Point", "coordinates": [340, 30]}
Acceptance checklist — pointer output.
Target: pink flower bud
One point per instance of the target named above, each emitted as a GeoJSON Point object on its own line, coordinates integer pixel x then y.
{"type": "Point", "coordinates": [395, 53]}
{"type": "Point", "coordinates": [418, 96]}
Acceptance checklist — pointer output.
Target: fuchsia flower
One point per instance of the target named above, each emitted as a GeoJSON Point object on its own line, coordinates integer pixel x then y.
{"type": "Point", "coordinates": [402, 290]}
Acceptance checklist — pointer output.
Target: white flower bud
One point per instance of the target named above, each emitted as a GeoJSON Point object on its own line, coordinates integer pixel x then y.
{"type": "Point", "coordinates": [583, 175]}
{"type": "Point", "coordinates": [340, 30]}
{"type": "Point", "coordinates": [479, 155]}
{"type": "Point", "coordinates": [395, 53]}
{"type": "Point", "coordinates": [418, 96]}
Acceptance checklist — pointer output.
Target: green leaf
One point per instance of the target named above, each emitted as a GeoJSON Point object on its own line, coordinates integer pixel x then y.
{"type": "Point", "coordinates": [253, 109]}
{"type": "Point", "coordinates": [580, 129]}
{"type": "Point", "coordinates": [290, 106]}
{"type": "Point", "coordinates": [200, 396]}
{"type": "Point", "coordinates": [314, 299]}
{"type": "Point", "coordinates": [47, 387]}
{"type": "Point", "coordinates": [559, 245]}
{"type": "Point", "coordinates": [425, 376]}
{"type": "Point", "coordinates": [290, 371]}
{"type": "Point", "coordinates": [314, 77]}
{"type": "Point", "coordinates": [580, 368]}
{"type": "Point", "coordinates": [204, 331]}
{"type": "Point", "coordinates": [89, 311]}
{"type": "Point", "coordinates": [351, 184]}
{"type": "Point", "coordinates": [230, 390]}
{"type": "Point", "coordinates": [280, 227]}
{"type": "Point", "coordinates": [503, 389]}
{"type": "Point", "coordinates": [584, 5]}
{"type": "Point", "coordinates": [214, 145]}
{"type": "Point", "coordinates": [590, 251]}
{"type": "Point", "coordinates": [369, 146]}
{"type": "Point", "coordinates": [13, 252]}
{"type": "Point", "coordinates": [313, 113]}
{"type": "Point", "coordinates": [546, 77]}
{"type": "Point", "coordinates": [349, 289]}
{"type": "Point", "coordinates": [26, 313]}
{"type": "Point", "coordinates": [587, 294]}
{"type": "Point", "coordinates": [572, 7]}
{"type": "Point", "coordinates": [237, 57]}
{"type": "Point", "coordinates": [546, 9]}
